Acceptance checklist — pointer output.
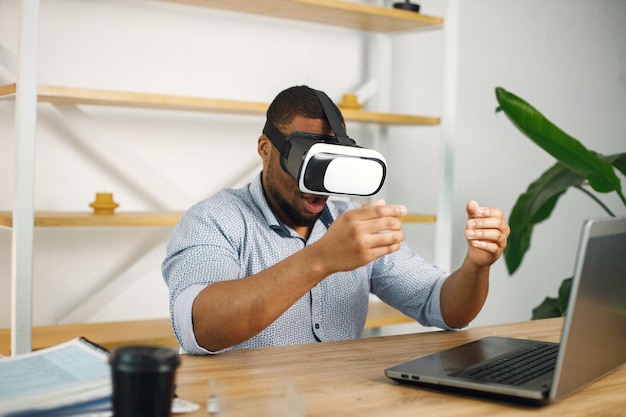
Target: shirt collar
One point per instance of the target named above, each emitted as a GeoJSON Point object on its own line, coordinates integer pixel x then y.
{"type": "Point", "coordinates": [256, 190]}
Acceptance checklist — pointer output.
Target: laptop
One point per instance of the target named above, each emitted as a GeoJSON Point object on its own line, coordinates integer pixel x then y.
{"type": "Point", "coordinates": [593, 340]}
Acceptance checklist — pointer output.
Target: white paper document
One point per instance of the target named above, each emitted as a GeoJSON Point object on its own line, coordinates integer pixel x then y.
{"type": "Point", "coordinates": [72, 376]}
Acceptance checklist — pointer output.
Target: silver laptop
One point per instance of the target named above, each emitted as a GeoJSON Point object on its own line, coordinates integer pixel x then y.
{"type": "Point", "coordinates": [593, 342]}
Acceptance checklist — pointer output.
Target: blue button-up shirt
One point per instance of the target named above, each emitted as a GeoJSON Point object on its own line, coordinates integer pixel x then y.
{"type": "Point", "coordinates": [235, 234]}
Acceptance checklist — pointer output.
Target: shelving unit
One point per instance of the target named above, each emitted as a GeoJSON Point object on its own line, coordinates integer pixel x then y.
{"type": "Point", "coordinates": [98, 97]}
{"type": "Point", "coordinates": [345, 14]}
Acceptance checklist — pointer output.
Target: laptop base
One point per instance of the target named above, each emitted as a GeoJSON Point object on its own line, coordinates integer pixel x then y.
{"type": "Point", "coordinates": [472, 393]}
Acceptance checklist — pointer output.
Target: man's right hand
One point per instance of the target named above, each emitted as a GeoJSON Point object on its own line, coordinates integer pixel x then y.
{"type": "Point", "coordinates": [360, 236]}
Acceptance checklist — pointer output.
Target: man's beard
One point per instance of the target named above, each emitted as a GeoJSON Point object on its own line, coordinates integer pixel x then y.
{"type": "Point", "coordinates": [295, 217]}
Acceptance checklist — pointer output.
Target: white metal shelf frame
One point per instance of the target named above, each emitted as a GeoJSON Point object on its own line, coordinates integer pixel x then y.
{"type": "Point", "coordinates": [23, 211]}
{"type": "Point", "coordinates": [445, 204]}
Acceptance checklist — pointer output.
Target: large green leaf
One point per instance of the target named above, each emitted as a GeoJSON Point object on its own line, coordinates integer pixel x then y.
{"type": "Point", "coordinates": [557, 143]}
{"type": "Point", "coordinates": [618, 161]}
{"type": "Point", "coordinates": [547, 309]}
{"type": "Point", "coordinates": [554, 307]}
{"type": "Point", "coordinates": [538, 202]}
{"type": "Point", "coordinates": [564, 291]}
{"type": "Point", "coordinates": [534, 206]}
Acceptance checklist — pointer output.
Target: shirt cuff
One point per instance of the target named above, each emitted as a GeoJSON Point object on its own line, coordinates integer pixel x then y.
{"type": "Point", "coordinates": [183, 323]}
{"type": "Point", "coordinates": [434, 307]}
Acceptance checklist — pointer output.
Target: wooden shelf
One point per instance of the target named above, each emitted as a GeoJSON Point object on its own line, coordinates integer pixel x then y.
{"type": "Point", "coordinates": [109, 335]}
{"type": "Point", "coordinates": [88, 219]}
{"type": "Point", "coordinates": [363, 116]}
{"type": "Point", "coordinates": [73, 95]}
{"type": "Point", "coordinates": [380, 314]}
{"type": "Point", "coordinates": [131, 219]}
{"type": "Point", "coordinates": [419, 218]}
{"type": "Point", "coordinates": [331, 12]}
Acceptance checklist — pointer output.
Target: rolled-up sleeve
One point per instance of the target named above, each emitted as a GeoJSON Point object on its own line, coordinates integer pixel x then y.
{"type": "Point", "coordinates": [198, 254]}
{"type": "Point", "coordinates": [183, 323]}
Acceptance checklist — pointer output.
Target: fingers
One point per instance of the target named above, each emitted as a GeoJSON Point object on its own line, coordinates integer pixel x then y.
{"type": "Point", "coordinates": [380, 209]}
{"type": "Point", "coordinates": [378, 251]}
{"type": "Point", "coordinates": [486, 223]}
{"type": "Point", "coordinates": [375, 218]}
{"type": "Point", "coordinates": [382, 227]}
{"type": "Point", "coordinates": [379, 203]}
{"type": "Point", "coordinates": [474, 211]}
{"type": "Point", "coordinates": [486, 228]}
{"type": "Point", "coordinates": [492, 246]}
{"type": "Point", "coordinates": [471, 208]}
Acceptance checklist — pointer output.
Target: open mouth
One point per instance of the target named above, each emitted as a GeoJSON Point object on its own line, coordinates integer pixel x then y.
{"type": "Point", "coordinates": [314, 203]}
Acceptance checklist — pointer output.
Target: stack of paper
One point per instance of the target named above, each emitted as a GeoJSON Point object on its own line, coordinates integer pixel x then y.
{"type": "Point", "coordinates": [70, 378]}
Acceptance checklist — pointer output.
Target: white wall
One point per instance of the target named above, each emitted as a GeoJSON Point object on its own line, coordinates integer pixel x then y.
{"type": "Point", "coordinates": [565, 57]}
{"type": "Point", "coordinates": [568, 59]}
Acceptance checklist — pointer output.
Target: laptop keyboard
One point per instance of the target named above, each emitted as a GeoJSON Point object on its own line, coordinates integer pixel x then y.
{"type": "Point", "coordinates": [517, 368]}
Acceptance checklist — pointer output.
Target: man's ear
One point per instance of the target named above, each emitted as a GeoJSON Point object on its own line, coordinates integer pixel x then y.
{"type": "Point", "coordinates": [264, 148]}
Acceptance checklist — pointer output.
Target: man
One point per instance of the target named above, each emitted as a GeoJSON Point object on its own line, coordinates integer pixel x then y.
{"type": "Point", "coordinates": [269, 265]}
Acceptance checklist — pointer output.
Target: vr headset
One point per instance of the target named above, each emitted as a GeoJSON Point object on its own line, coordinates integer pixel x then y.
{"type": "Point", "coordinates": [329, 165]}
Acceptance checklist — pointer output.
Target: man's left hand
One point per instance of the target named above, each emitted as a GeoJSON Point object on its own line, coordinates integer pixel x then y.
{"type": "Point", "coordinates": [486, 232]}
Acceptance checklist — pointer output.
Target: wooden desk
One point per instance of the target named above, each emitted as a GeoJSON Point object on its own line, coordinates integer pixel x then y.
{"type": "Point", "coordinates": [347, 378]}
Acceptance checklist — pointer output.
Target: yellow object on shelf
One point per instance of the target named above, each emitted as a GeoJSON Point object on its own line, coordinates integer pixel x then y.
{"type": "Point", "coordinates": [104, 204]}
{"type": "Point", "coordinates": [350, 101]}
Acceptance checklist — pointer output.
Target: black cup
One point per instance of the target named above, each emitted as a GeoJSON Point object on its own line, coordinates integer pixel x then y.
{"type": "Point", "coordinates": [143, 380]}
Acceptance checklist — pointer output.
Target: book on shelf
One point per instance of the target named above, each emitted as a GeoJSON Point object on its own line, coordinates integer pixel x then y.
{"type": "Point", "coordinates": [71, 378]}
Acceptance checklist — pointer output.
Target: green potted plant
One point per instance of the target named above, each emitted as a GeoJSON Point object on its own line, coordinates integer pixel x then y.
{"type": "Point", "coordinates": [576, 167]}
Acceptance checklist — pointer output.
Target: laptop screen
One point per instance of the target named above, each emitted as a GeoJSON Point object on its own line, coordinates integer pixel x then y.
{"type": "Point", "coordinates": [598, 316]}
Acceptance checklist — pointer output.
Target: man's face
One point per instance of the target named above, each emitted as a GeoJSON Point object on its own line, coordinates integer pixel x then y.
{"type": "Point", "coordinates": [296, 209]}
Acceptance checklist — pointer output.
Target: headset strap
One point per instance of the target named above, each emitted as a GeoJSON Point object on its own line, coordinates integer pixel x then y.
{"type": "Point", "coordinates": [331, 112]}
{"type": "Point", "coordinates": [274, 135]}
{"type": "Point", "coordinates": [333, 118]}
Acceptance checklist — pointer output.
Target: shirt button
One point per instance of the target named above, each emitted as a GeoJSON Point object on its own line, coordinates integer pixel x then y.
{"type": "Point", "coordinates": [317, 325]}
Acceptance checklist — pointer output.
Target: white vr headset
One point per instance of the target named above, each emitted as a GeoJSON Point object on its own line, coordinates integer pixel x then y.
{"type": "Point", "coordinates": [329, 165]}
